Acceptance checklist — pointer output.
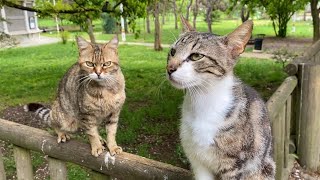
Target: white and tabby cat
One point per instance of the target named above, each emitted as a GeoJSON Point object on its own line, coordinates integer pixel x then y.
{"type": "Point", "coordinates": [225, 130]}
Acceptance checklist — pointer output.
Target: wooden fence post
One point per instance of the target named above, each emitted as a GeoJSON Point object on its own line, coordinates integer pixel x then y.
{"type": "Point", "coordinates": [278, 135]}
{"type": "Point", "coordinates": [58, 169]}
{"type": "Point", "coordinates": [23, 163]}
{"type": "Point", "coordinates": [309, 134]}
{"type": "Point", "coordinates": [2, 171]}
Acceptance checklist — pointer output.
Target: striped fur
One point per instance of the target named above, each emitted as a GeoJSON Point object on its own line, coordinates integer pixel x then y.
{"type": "Point", "coordinates": [39, 110]}
{"type": "Point", "coordinates": [225, 129]}
{"type": "Point", "coordinates": [92, 91]}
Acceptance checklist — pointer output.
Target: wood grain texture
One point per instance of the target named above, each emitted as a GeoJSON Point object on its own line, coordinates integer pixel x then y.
{"type": "Point", "coordinates": [309, 135]}
{"type": "Point", "coordinates": [57, 169]}
{"type": "Point", "coordinates": [23, 163]}
{"type": "Point", "coordinates": [125, 166]}
{"type": "Point", "coordinates": [2, 171]}
{"type": "Point", "coordinates": [280, 96]}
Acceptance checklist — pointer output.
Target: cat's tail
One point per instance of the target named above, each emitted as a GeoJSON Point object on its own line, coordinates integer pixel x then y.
{"type": "Point", "coordinates": [40, 110]}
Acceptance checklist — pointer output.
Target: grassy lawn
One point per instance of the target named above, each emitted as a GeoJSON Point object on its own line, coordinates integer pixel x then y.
{"type": "Point", "coordinates": [150, 117]}
{"type": "Point", "coordinates": [221, 27]}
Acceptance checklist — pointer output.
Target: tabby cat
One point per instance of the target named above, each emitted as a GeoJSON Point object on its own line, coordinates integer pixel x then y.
{"type": "Point", "coordinates": [225, 130]}
{"type": "Point", "coordinates": [91, 92]}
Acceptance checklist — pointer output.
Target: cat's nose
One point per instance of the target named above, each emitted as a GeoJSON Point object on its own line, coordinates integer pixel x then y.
{"type": "Point", "coordinates": [171, 69]}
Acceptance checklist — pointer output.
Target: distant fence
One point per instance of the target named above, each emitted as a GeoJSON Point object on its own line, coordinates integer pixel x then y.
{"type": "Point", "coordinates": [294, 111]}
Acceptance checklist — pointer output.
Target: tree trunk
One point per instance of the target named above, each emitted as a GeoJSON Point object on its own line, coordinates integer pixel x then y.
{"type": "Point", "coordinates": [208, 15]}
{"type": "Point", "coordinates": [164, 4]}
{"type": "Point", "coordinates": [148, 20]}
{"type": "Point", "coordinates": [195, 13]}
{"type": "Point", "coordinates": [188, 10]}
{"type": "Point", "coordinates": [315, 20]}
{"type": "Point", "coordinates": [175, 14]}
{"type": "Point", "coordinates": [244, 13]}
{"type": "Point", "coordinates": [125, 25]}
{"type": "Point", "coordinates": [90, 31]}
{"type": "Point", "coordinates": [157, 35]}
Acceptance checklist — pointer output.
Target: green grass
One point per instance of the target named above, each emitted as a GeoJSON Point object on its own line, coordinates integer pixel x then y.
{"type": "Point", "coordinates": [221, 27]}
{"type": "Point", "coordinates": [150, 116]}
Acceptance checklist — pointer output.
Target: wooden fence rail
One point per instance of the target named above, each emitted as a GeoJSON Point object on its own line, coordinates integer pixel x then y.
{"type": "Point", "coordinates": [123, 166]}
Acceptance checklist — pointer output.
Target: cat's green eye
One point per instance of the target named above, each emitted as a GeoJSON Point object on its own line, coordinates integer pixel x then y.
{"type": "Point", "coordinates": [196, 56]}
{"type": "Point", "coordinates": [107, 64]}
{"type": "Point", "coordinates": [89, 64]}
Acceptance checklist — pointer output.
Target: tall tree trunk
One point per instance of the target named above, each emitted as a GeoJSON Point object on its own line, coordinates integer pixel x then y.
{"type": "Point", "coordinates": [125, 25]}
{"type": "Point", "coordinates": [90, 31]}
{"type": "Point", "coordinates": [195, 13]}
{"type": "Point", "coordinates": [244, 13]}
{"type": "Point", "coordinates": [208, 15]}
{"type": "Point", "coordinates": [148, 20]}
{"type": "Point", "coordinates": [315, 20]}
{"type": "Point", "coordinates": [164, 4]}
{"type": "Point", "coordinates": [157, 35]}
{"type": "Point", "coordinates": [188, 9]}
{"type": "Point", "coordinates": [175, 14]}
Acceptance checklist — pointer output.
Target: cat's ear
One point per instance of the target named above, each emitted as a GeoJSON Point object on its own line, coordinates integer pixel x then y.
{"type": "Point", "coordinates": [238, 39]}
{"type": "Point", "coordinates": [186, 26]}
{"type": "Point", "coordinates": [82, 43]}
{"type": "Point", "coordinates": [114, 42]}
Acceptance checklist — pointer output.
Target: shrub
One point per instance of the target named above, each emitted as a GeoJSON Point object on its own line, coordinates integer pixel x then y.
{"type": "Point", "coordinates": [64, 36]}
{"type": "Point", "coordinates": [108, 23]}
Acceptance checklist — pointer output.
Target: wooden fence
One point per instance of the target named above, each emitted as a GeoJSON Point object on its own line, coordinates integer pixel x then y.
{"type": "Point", "coordinates": [294, 111]}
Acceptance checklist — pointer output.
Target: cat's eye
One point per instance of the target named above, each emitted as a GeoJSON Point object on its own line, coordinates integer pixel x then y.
{"type": "Point", "coordinates": [196, 56]}
{"type": "Point", "coordinates": [172, 52]}
{"type": "Point", "coordinates": [89, 64]}
{"type": "Point", "coordinates": [107, 64]}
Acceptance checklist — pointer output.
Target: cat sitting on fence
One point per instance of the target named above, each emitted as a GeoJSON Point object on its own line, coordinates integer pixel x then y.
{"type": "Point", "coordinates": [91, 92]}
{"type": "Point", "coordinates": [225, 129]}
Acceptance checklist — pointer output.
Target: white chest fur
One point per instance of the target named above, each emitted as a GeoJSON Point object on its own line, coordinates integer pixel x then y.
{"type": "Point", "coordinates": [202, 116]}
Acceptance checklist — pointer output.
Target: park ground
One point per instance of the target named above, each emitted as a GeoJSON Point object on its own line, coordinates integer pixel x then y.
{"type": "Point", "coordinates": [149, 120]}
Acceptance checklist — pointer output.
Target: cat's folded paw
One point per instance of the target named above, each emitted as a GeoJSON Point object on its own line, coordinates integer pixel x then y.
{"type": "Point", "coordinates": [115, 150]}
{"type": "Point", "coordinates": [96, 150]}
{"type": "Point", "coordinates": [63, 137]}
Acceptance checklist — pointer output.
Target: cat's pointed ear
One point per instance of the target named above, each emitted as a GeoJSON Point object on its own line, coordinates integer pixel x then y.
{"type": "Point", "coordinates": [114, 42]}
{"type": "Point", "coordinates": [82, 43]}
{"type": "Point", "coordinates": [238, 39]}
{"type": "Point", "coordinates": [186, 26]}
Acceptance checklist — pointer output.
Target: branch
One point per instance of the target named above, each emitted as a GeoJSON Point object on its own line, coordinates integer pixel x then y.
{"type": "Point", "coordinates": [53, 11]}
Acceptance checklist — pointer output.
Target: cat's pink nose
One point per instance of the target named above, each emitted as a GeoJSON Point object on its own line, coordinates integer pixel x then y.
{"type": "Point", "coordinates": [171, 69]}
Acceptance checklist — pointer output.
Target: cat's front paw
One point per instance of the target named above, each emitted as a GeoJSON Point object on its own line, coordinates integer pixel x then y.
{"type": "Point", "coordinates": [63, 137]}
{"type": "Point", "coordinates": [96, 150]}
{"type": "Point", "coordinates": [115, 150]}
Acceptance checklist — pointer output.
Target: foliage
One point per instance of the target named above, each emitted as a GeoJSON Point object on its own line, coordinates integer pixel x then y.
{"type": "Point", "coordinates": [283, 56]}
{"type": "Point", "coordinates": [65, 35]}
{"type": "Point", "coordinates": [108, 23]}
{"type": "Point", "coordinates": [279, 12]}
{"type": "Point", "coordinates": [7, 40]}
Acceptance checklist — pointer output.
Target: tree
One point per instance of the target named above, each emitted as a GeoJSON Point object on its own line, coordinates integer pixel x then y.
{"type": "Point", "coordinates": [157, 35]}
{"type": "Point", "coordinates": [279, 11]}
{"type": "Point", "coordinates": [213, 5]}
{"type": "Point", "coordinates": [188, 9]}
{"type": "Point", "coordinates": [175, 14]}
{"type": "Point", "coordinates": [83, 12]}
{"type": "Point", "coordinates": [195, 12]}
{"type": "Point", "coordinates": [315, 19]}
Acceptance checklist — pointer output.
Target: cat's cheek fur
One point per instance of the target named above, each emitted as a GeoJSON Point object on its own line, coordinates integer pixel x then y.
{"type": "Point", "coordinates": [184, 76]}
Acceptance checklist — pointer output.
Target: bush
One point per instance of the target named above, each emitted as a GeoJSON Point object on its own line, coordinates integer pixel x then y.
{"type": "Point", "coordinates": [64, 36]}
{"type": "Point", "coordinates": [108, 23]}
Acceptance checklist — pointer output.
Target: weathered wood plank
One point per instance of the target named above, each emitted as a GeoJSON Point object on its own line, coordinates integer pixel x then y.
{"type": "Point", "coordinates": [287, 132]}
{"type": "Point", "coordinates": [278, 126]}
{"type": "Point", "coordinates": [57, 169]}
{"type": "Point", "coordinates": [23, 163]}
{"type": "Point", "coordinates": [123, 166]}
{"type": "Point", "coordinates": [2, 171]}
{"type": "Point", "coordinates": [280, 96]}
{"type": "Point", "coordinates": [309, 146]}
